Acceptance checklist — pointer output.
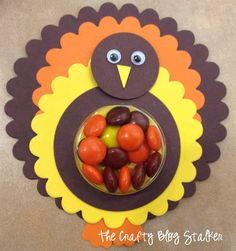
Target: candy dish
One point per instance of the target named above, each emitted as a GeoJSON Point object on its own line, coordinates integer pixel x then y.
{"type": "Point", "coordinates": [115, 155]}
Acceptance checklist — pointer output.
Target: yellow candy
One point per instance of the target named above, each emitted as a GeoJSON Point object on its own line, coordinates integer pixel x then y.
{"type": "Point", "coordinates": [109, 136]}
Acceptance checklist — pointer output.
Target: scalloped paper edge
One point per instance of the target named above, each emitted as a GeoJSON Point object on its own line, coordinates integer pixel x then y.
{"type": "Point", "coordinates": [20, 128]}
{"type": "Point", "coordinates": [65, 91]}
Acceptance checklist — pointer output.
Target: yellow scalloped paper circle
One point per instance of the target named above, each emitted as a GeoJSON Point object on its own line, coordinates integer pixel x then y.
{"type": "Point", "coordinates": [65, 91]}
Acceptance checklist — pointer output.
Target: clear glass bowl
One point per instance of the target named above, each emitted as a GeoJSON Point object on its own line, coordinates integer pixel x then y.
{"type": "Point", "coordinates": [80, 136]}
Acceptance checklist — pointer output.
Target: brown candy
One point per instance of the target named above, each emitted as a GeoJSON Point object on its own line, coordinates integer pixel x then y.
{"type": "Point", "coordinates": [118, 116]}
{"type": "Point", "coordinates": [116, 158]}
{"type": "Point", "coordinates": [140, 119]}
{"type": "Point", "coordinates": [153, 163]}
{"type": "Point", "coordinates": [110, 179]}
{"type": "Point", "coordinates": [138, 176]}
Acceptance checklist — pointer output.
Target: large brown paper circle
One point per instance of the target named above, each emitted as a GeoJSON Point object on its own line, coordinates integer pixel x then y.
{"type": "Point", "coordinates": [22, 109]}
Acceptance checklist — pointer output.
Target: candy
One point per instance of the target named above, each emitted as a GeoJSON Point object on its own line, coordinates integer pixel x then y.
{"type": "Point", "coordinates": [109, 136]}
{"type": "Point", "coordinates": [124, 179]}
{"type": "Point", "coordinates": [92, 174]}
{"type": "Point", "coordinates": [110, 179]}
{"type": "Point", "coordinates": [116, 158]}
{"type": "Point", "coordinates": [153, 138]}
{"type": "Point", "coordinates": [118, 115]}
{"type": "Point", "coordinates": [130, 137]}
{"type": "Point", "coordinates": [138, 176]}
{"type": "Point", "coordinates": [95, 126]}
{"type": "Point", "coordinates": [153, 164]}
{"type": "Point", "coordinates": [140, 155]}
{"type": "Point", "coordinates": [140, 119]}
{"type": "Point", "coordinates": [92, 150]}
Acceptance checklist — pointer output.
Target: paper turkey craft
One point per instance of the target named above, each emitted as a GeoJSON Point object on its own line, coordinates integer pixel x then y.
{"type": "Point", "coordinates": [115, 57]}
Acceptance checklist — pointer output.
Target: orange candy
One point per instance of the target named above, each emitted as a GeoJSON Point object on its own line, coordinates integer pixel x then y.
{"type": "Point", "coordinates": [124, 179]}
{"type": "Point", "coordinates": [153, 138]}
{"type": "Point", "coordinates": [140, 155]}
{"type": "Point", "coordinates": [95, 126]}
{"type": "Point", "coordinates": [130, 137]}
{"type": "Point", "coordinates": [92, 151]}
{"type": "Point", "coordinates": [92, 174]}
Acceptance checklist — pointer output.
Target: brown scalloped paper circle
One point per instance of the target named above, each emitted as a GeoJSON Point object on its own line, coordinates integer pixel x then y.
{"type": "Point", "coordinates": [22, 109]}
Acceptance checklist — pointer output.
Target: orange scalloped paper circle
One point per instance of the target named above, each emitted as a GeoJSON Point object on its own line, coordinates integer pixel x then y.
{"type": "Point", "coordinates": [78, 48]}
{"type": "Point", "coordinates": [122, 235]}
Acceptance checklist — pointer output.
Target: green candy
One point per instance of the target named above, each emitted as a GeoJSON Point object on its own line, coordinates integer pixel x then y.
{"type": "Point", "coordinates": [109, 136]}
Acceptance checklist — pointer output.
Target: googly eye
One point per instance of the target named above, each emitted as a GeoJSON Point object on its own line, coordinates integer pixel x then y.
{"type": "Point", "coordinates": [113, 56]}
{"type": "Point", "coordinates": [138, 58]}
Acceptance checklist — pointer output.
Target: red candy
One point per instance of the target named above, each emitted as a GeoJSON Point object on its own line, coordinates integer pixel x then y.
{"type": "Point", "coordinates": [95, 126]}
{"type": "Point", "coordinates": [92, 151]}
{"type": "Point", "coordinates": [153, 138]}
{"type": "Point", "coordinates": [124, 179]}
{"type": "Point", "coordinates": [140, 155]}
{"type": "Point", "coordinates": [92, 174]}
{"type": "Point", "coordinates": [130, 137]}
